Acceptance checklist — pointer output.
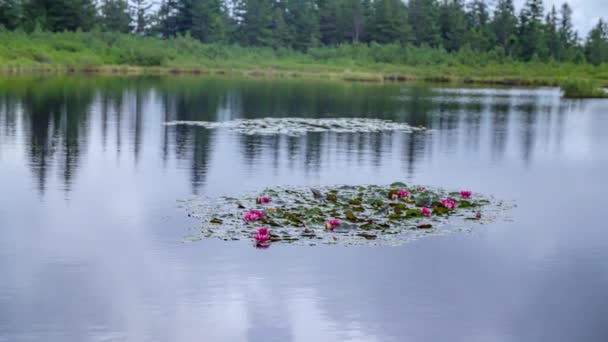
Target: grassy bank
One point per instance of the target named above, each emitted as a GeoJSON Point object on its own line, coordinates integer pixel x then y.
{"type": "Point", "coordinates": [119, 53]}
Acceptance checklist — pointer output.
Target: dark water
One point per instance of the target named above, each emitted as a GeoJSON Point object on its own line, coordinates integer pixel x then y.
{"type": "Point", "coordinates": [91, 238]}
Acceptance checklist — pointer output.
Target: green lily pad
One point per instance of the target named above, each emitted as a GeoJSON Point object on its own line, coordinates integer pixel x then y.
{"type": "Point", "coordinates": [399, 185]}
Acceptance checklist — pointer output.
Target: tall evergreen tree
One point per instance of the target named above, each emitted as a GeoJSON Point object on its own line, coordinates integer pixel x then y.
{"type": "Point", "coordinates": [423, 15]}
{"type": "Point", "coordinates": [10, 13]}
{"type": "Point", "coordinates": [167, 18]}
{"type": "Point", "coordinates": [390, 22]}
{"type": "Point", "coordinates": [302, 17]}
{"type": "Point", "coordinates": [115, 16]}
{"type": "Point", "coordinates": [282, 35]}
{"type": "Point", "coordinates": [504, 25]}
{"type": "Point", "coordinates": [531, 37]}
{"type": "Point", "coordinates": [479, 31]}
{"type": "Point", "coordinates": [208, 21]}
{"type": "Point", "coordinates": [452, 24]}
{"type": "Point", "coordinates": [140, 14]}
{"type": "Point", "coordinates": [596, 46]}
{"type": "Point", "coordinates": [256, 24]}
{"type": "Point", "coordinates": [551, 34]}
{"type": "Point", "coordinates": [71, 15]}
{"type": "Point", "coordinates": [567, 35]}
{"type": "Point", "coordinates": [357, 13]}
{"type": "Point", "coordinates": [60, 15]}
{"type": "Point", "coordinates": [332, 21]}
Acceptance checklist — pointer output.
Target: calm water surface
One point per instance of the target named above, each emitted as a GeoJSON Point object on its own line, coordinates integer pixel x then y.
{"type": "Point", "coordinates": [91, 237]}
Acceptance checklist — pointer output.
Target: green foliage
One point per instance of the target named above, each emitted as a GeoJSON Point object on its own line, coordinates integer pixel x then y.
{"type": "Point", "coordinates": [597, 44]}
{"type": "Point", "coordinates": [390, 23]}
{"type": "Point", "coordinates": [531, 38]}
{"type": "Point", "coordinates": [10, 14]}
{"type": "Point", "coordinates": [504, 25]}
{"type": "Point", "coordinates": [115, 16]}
{"type": "Point", "coordinates": [423, 15]}
{"type": "Point", "coordinates": [582, 89]}
{"type": "Point", "coordinates": [452, 24]}
{"type": "Point", "coordinates": [140, 12]}
{"type": "Point", "coordinates": [360, 61]}
{"type": "Point", "coordinates": [302, 25]}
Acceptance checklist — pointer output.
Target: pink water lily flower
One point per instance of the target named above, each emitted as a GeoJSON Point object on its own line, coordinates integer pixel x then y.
{"type": "Point", "coordinates": [426, 211]}
{"type": "Point", "coordinates": [331, 224]}
{"type": "Point", "coordinates": [421, 188]}
{"type": "Point", "coordinates": [264, 200]}
{"type": "Point", "coordinates": [403, 194]}
{"type": "Point", "coordinates": [466, 194]}
{"type": "Point", "coordinates": [448, 203]}
{"type": "Point", "coordinates": [253, 215]}
{"type": "Point", "coordinates": [262, 235]}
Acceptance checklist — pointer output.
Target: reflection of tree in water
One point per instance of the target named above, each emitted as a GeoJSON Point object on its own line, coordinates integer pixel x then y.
{"type": "Point", "coordinates": [8, 115]}
{"type": "Point", "coordinates": [193, 101]}
{"type": "Point", "coordinates": [414, 147]}
{"type": "Point", "coordinates": [112, 101]}
{"type": "Point", "coordinates": [528, 113]}
{"type": "Point", "coordinates": [140, 99]}
{"type": "Point", "coordinates": [314, 100]}
{"type": "Point", "coordinates": [499, 128]}
{"type": "Point", "coordinates": [251, 148]}
{"type": "Point", "coordinates": [55, 118]}
{"type": "Point", "coordinates": [472, 124]}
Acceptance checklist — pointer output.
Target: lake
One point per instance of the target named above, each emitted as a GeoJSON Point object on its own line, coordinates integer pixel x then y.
{"type": "Point", "coordinates": [92, 239]}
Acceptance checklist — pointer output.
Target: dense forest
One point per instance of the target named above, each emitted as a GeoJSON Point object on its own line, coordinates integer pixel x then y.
{"type": "Point", "coordinates": [531, 33]}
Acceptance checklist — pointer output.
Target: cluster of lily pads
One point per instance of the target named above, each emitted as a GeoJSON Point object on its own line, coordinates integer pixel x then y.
{"type": "Point", "coordinates": [346, 215]}
{"type": "Point", "coordinates": [301, 126]}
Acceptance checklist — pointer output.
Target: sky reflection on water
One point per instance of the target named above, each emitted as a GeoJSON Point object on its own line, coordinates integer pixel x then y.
{"type": "Point", "coordinates": [91, 239]}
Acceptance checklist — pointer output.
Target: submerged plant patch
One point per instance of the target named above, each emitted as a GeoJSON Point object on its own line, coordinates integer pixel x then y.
{"type": "Point", "coordinates": [344, 215]}
{"type": "Point", "coordinates": [302, 126]}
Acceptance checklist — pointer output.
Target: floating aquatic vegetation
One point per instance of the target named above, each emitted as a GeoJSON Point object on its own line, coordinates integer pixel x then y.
{"type": "Point", "coordinates": [344, 215]}
{"type": "Point", "coordinates": [302, 126]}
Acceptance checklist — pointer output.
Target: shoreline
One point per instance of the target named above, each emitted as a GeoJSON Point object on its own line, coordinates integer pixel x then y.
{"type": "Point", "coordinates": [282, 73]}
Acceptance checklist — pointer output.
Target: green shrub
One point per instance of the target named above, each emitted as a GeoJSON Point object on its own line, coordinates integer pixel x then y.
{"type": "Point", "coordinates": [578, 89]}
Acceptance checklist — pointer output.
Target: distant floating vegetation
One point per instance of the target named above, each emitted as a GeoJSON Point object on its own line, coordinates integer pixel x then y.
{"type": "Point", "coordinates": [302, 126]}
{"type": "Point", "coordinates": [342, 215]}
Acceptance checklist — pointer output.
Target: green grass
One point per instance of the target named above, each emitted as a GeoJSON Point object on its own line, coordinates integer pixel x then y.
{"type": "Point", "coordinates": [582, 90]}
{"type": "Point", "coordinates": [120, 53]}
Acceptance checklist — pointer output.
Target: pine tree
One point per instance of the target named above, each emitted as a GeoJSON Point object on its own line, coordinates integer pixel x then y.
{"type": "Point", "coordinates": [140, 14]}
{"type": "Point", "coordinates": [10, 14]}
{"type": "Point", "coordinates": [115, 16]}
{"type": "Point", "coordinates": [60, 15]}
{"type": "Point", "coordinates": [504, 25]}
{"type": "Point", "coordinates": [331, 21]}
{"type": "Point", "coordinates": [282, 36]}
{"type": "Point", "coordinates": [567, 35]}
{"type": "Point", "coordinates": [184, 15]}
{"type": "Point", "coordinates": [423, 15]}
{"type": "Point", "coordinates": [596, 47]}
{"type": "Point", "coordinates": [531, 38]}
{"type": "Point", "coordinates": [302, 18]}
{"type": "Point", "coordinates": [167, 18]}
{"type": "Point", "coordinates": [390, 22]}
{"type": "Point", "coordinates": [552, 38]}
{"type": "Point", "coordinates": [452, 24]}
{"type": "Point", "coordinates": [208, 21]}
{"type": "Point", "coordinates": [256, 24]}
{"type": "Point", "coordinates": [356, 12]}
{"type": "Point", "coordinates": [479, 34]}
